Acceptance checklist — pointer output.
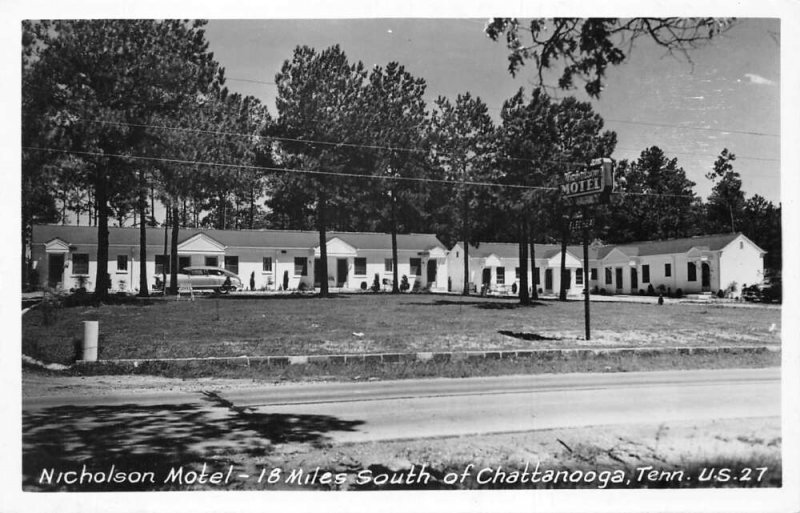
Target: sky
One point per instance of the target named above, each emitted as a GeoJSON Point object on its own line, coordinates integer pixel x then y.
{"type": "Point", "coordinates": [728, 96]}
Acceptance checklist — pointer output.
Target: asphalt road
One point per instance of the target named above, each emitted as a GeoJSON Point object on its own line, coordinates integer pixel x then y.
{"type": "Point", "coordinates": [450, 407]}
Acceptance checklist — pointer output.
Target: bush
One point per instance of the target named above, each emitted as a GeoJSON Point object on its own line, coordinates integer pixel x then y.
{"type": "Point", "coordinates": [50, 307]}
{"type": "Point", "coordinates": [376, 283]}
{"type": "Point", "coordinates": [603, 292]}
{"type": "Point", "coordinates": [641, 292]}
{"type": "Point", "coordinates": [513, 288]}
{"type": "Point", "coordinates": [679, 292]}
{"type": "Point", "coordinates": [302, 287]}
{"type": "Point", "coordinates": [720, 293]}
{"type": "Point", "coordinates": [662, 289]}
{"type": "Point", "coordinates": [404, 286]}
{"type": "Point", "coordinates": [651, 291]}
{"type": "Point", "coordinates": [364, 286]}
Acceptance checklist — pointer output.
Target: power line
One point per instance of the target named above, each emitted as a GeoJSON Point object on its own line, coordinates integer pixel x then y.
{"type": "Point", "coordinates": [290, 170]}
{"type": "Point", "coordinates": [388, 148]}
{"type": "Point", "coordinates": [742, 157]}
{"type": "Point", "coordinates": [313, 141]}
{"type": "Point", "coordinates": [684, 127]}
{"type": "Point", "coordinates": [330, 173]}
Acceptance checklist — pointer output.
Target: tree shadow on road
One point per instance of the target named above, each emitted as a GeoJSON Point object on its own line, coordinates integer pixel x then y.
{"type": "Point", "coordinates": [155, 439]}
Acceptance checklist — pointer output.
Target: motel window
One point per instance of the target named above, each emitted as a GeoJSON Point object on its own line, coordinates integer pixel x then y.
{"type": "Point", "coordinates": [212, 261]}
{"type": "Point", "coordinates": [300, 266]}
{"type": "Point", "coordinates": [667, 270]}
{"type": "Point", "coordinates": [80, 263]}
{"type": "Point", "coordinates": [122, 263]}
{"type": "Point", "coordinates": [692, 270]}
{"type": "Point", "coordinates": [501, 275]}
{"type": "Point", "coordinates": [232, 264]}
{"type": "Point", "coordinates": [266, 265]}
{"type": "Point", "coordinates": [594, 274]}
{"type": "Point", "coordinates": [416, 266]}
{"type": "Point", "coordinates": [609, 279]}
{"type": "Point", "coordinates": [360, 265]}
{"type": "Point", "coordinates": [388, 265]}
{"type": "Point", "coordinates": [579, 276]}
{"type": "Point", "coordinates": [184, 262]}
{"type": "Point", "coordinates": [162, 264]}
{"type": "Point", "coordinates": [645, 274]}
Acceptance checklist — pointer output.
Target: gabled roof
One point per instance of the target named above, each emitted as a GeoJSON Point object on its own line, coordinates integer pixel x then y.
{"type": "Point", "coordinates": [511, 250]}
{"type": "Point", "coordinates": [285, 239]}
{"type": "Point", "coordinates": [714, 242]}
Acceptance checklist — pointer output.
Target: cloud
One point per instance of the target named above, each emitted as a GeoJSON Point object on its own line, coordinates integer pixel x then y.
{"type": "Point", "coordinates": [757, 79]}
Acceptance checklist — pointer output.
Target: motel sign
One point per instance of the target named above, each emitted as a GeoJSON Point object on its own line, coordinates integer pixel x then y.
{"type": "Point", "coordinates": [590, 185]}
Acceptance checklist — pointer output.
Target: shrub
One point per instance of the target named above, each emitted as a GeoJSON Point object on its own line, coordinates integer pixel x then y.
{"type": "Point", "coordinates": [662, 288]}
{"type": "Point", "coordinates": [285, 280]}
{"type": "Point", "coordinates": [513, 288]}
{"type": "Point", "coordinates": [363, 285]}
{"type": "Point", "coordinates": [720, 293]}
{"type": "Point", "coordinates": [641, 292]}
{"type": "Point", "coordinates": [302, 287]}
{"type": "Point", "coordinates": [679, 292]}
{"type": "Point", "coordinates": [651, 291]}
{"type": "Point", "coordinates": [595, 289]}
{"type": "Point", "coordinates": [404, 286]}
{"type": "Point", "coordinates": [50, 307]}
{"type": "Point", "coordinates": [730, 290]}
{"type": "Point", "coordinates": [603, 292]}
{"type": "Point", "coordinates": [376, 283]}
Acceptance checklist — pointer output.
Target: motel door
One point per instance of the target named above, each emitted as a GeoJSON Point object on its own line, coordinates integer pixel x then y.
{"type": "Point", "coordinates": [55, 270]}
{"type": "Point", "coordinates": [619, 277]}
{"type": "Point", "coordinates": [548, 279]}
{"type": "Point", "coordinates": [634, 280]}
{"type": "Point", "coordinates": [705, 271]}
{"type": "Point", "coordinates": [341, 272]}
{"type": "Point", "coordinates": [487, 276]}
{"type": "Point", "coordinates": [432, 271]}
{"type": "Point", "coordinates": [317, 273]}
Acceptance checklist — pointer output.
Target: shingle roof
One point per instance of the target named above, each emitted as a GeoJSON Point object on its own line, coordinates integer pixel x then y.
{"type": "Point", "coordinates": [713, 242]}
{"type": "Point", "coordinates": [87, 235]}
{"type": "Point", "coordinates": [511, 250]}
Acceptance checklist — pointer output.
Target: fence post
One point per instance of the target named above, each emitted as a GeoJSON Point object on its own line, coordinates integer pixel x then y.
{"type": "Point", "coordinates": [90, 331]}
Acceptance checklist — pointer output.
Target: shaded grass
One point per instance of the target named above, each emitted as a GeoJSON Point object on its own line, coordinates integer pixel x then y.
{"type": "Point", "coordinates": [359, 323]}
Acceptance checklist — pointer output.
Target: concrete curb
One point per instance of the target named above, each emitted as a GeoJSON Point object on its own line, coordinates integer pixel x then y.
{"type": "Point", "coordinates": [445, 356]}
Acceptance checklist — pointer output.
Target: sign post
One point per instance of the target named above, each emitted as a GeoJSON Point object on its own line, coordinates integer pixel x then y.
{"type": "Point", "coordinates": [591, 185]}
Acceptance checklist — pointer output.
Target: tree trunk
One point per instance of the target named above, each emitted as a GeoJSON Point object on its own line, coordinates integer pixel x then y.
{"type": "Point", "coordinates": [524, 298]}
{"type": "Point", "coordinates": [252, 206]}
{"type": "Point", "coordinates": [143, 292]}
{"type": "Point", "coordinates": [562, 295]}
{"type": "Point", "coordinates": [323, 242]}
{"type": "Point", "coordinates": [101, 282]}
{"type": "Point", "coordinates": [393, 227]}
{"type": "Point", "coordinates": [534, 271]}
{"type": "Point", "coordinates": [173, 261]}
{"type": "Point", "coordinates": [465, 236]}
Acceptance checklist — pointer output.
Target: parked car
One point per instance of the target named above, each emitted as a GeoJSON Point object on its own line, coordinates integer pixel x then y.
{"type": "Point", "coordinates": [767, 291]}
{"type": "Point", "coordinates": [204, 278]}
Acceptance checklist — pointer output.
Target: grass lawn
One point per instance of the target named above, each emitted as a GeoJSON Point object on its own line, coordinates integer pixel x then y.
{"type": "Point", "coordinates": [358, 323]}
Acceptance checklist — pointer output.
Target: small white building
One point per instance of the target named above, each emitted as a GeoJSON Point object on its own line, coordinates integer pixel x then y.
{"type": "Point", "coordinates": [66, 257]}
{"type": "Point", "coordinates": [702, 264]}
{"type": "Point", "coordinates": [494, 268]}
{"type": "Point", "coordinates": [695, 265]}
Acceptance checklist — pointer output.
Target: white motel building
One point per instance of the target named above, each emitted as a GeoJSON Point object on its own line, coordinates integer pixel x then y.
{"type": "Point", "coordinates": [66, 257]}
